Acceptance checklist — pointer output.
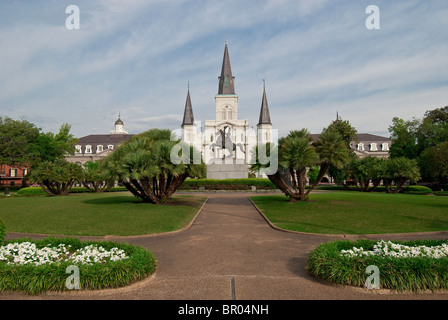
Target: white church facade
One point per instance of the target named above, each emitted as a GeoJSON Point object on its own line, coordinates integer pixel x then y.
{"type": "Point", "coordinates": [226, 142]}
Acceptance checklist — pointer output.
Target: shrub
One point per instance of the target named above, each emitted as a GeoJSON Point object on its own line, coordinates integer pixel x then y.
{"type": "Point", "coordinates": [228, 184]}
{"type": "Point", "coordinates": [31, 191]}
{"type": "Point", "coordinates": [38, 190]}
{"type": "Point", "coordinates": [417, 190]}
{"type": "Point", "coordinates": [2, 232]}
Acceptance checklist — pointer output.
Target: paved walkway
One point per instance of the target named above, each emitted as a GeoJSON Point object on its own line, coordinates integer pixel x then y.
{"type": "Point", "coordinates": [231, 252]}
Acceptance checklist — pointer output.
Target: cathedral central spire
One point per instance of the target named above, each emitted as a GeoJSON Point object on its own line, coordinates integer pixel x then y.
{"type": "Point", "coordinates": [226, 80]}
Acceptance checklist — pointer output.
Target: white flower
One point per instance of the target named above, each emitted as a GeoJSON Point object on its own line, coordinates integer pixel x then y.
{"type": "Point", "coordinates": [390, 249]}
{"type": "Point", "coordinates": [26, 252]}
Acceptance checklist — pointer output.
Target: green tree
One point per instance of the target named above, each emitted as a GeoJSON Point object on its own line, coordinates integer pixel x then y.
{"type": "Point", "coordinates": [56, 177]}
{"type": "Point", "coordinates": [16, 139]}
{"type": "Point", "coordinates": [95, 178]}
{"type": "Point", "coordinates": [50, 147]}
{"type": "Point", "coordinates": [333, 152]}
{"type": "Point", "coordinates": [349, 135]}
{"type": "Point", "coordinates": [404, 138]}
{"type": "Point", "coordinates": [434, 163]}
{"type": "Point", "coordinates": [398, 171]}
{"type": "Point", "coordinates": [367, 172]}
{"type": "Point", "coordinates": [345, 129]}
{"type": "Point", "coordinates": [143, 164]}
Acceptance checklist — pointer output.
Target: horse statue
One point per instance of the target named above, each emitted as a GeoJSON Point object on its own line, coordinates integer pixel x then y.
{"type": "Point", "coordinates": [224, 141]}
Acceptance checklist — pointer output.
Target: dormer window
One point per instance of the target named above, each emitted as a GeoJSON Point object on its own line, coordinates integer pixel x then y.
{"type": "Point", "coordinates": [373, 147]}
{"type": "Point", "coordinates": [78, 149]}
{"type": "Point", "coordinates": [385, 146]}
{"type": "Point", "coordinates": [99, 148]}
{"type": "Point", "coordinates": [110, 147]}
{"type": "Point", "coordinates": [361, 146]}
{"type": "Point", "coordinates": [88, 148]}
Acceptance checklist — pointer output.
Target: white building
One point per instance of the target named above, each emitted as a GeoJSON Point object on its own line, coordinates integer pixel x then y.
{"type": "Point", "coordinates": [226, 143]}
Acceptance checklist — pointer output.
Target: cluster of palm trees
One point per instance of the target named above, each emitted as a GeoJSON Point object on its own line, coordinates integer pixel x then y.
{"type": "Point", "coordinates": [297, 153]}
{"type": "Point", "coordinates": [142, 164]}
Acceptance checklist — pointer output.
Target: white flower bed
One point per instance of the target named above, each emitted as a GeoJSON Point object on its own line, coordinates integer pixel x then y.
{"type": "Point", "coordinates": [28, 253]}
{"type": "Point", "coordinates": [390, 249]}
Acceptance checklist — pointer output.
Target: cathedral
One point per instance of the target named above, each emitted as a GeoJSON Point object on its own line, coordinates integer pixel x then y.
{"type": "Point", "coordinates": [226, 143]}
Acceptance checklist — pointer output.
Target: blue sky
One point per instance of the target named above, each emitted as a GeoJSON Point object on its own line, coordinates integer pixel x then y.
{"type": "Point", "coordinates": [135, 57]}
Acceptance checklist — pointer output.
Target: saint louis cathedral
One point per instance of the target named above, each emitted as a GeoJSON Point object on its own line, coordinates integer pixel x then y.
{"type": "Point", "coordinates": [226, 143]}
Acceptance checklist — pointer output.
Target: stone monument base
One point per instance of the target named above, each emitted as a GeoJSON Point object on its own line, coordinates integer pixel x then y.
{"type": "Point", "coordinates": [225, 170]}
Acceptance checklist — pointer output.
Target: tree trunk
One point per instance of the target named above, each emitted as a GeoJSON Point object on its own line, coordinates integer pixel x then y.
{"type": "Point", "coordinates": [322, 171]}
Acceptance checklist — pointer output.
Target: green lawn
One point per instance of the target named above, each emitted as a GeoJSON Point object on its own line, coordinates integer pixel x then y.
{"type": "Point", "coordinates": [357, 213]}
{"type": "Point", "coordinates": [96, 214]}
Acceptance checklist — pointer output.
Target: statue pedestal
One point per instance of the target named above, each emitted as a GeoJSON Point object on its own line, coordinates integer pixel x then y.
{"type": "Point", "coordinates": [227, 169]}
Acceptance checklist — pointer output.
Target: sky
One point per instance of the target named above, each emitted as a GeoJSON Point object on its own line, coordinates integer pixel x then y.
{"type": "Point", "coordinates": [135, 58]}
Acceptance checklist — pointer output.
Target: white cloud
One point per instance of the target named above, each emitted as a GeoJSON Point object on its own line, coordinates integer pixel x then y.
{"type": "Point", "coordinates": [136, 57]}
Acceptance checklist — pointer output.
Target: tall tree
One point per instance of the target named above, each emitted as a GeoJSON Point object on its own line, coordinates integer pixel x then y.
{"type": "Point", "coordinates": [404, 138]}
{"type": "Point", "coordinates": [434, 163]}
{"type": "Point", "coordinates": [50, 147]}
{"type": "Point", "coordinates": [16, 139]}
{"type": "Point", "coordinates": [333, 152]}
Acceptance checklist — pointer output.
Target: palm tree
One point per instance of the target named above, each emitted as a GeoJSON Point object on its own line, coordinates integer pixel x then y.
{"type": "Point", "coordinates": [295, 154]}
{"type": "Point", "coordinates": [95, 178]}
{"type": "Point", "coordinates": [56, 177]}
{"type": "Point", "coordinates": [332, 151]}
{"type": "Point", "coordinates": [144, 166]}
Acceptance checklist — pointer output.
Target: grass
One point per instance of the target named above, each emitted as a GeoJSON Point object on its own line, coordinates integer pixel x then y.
{"type": "Point", "coordinates": [33, 279]}
{"type": "Point", "coordinates": [402, 274]}
{"type": "Point", "coordinates": [357, 213]}
{"type": "Point", "coordinates": [95, 214]}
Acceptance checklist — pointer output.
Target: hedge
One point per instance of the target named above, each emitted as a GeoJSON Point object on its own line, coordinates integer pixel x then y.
{"type": "Point", "coordinates": [38, 190]}
{"type": "Point", "coordinates": [2, 232]}
{"type": "Point", "coordinates": [228, 184]}
{"type": "Point", "coordinates": [409, 190]}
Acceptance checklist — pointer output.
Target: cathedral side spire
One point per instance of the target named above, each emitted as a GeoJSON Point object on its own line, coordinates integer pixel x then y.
{"type": "Point", "coordinates": [265, 117]}
{"type": "Point", "coordinates": [188, 112]}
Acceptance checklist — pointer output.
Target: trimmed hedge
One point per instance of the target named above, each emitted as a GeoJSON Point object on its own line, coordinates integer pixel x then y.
{"type": "Point", "coordinates": [34, 279]}
{"type": "Point", "coordinates": [228, 184]}
{"type": "Point", "coordinates": [38, 190]}
{"type": "Point", "coordinates": [409, 190]}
